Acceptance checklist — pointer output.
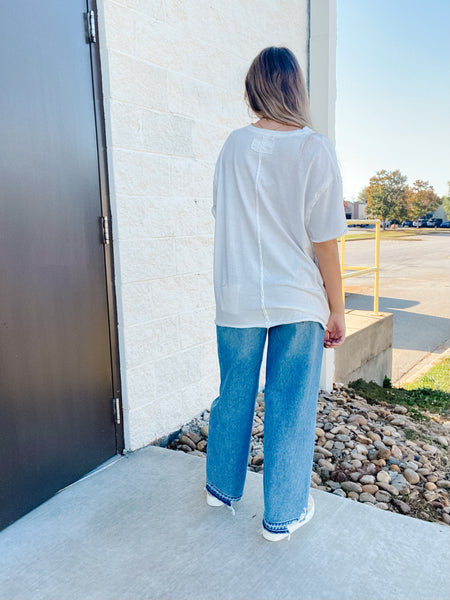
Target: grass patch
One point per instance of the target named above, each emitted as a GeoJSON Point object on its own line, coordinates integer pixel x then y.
{"type": "Point", "coordinates": [415, 400]}
{"type": "Point", "coordinates": [370, 235]}
{"type": "Point", "coordinates": [437, 378]}
{"type": "Point", "coordinates": [417, 436]}
{"type": "Point", "coordinates": [394, 234]}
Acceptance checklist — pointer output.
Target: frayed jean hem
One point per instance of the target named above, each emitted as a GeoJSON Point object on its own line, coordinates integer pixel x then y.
{"type": "Point", "coordinates": [282, 527]}
{"type": "Point", "coordinates": [220, 495]}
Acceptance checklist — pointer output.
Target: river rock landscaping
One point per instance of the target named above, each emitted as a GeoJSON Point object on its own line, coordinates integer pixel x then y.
{"type": "Point", "coordinates": [372, 453]}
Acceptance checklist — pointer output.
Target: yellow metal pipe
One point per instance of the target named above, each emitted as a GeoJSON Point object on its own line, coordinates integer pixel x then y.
{"type": "Point", "coordinates": [376, 290]}
{"type": "Point", "coordinates": [361, 270]}
{"type": "Point", "coordinates": [357, 268]}
{"type": "Point", "coordinates": [342, 266]}
{"type": "Point", "coordinates": [357, 273]}
{"type": "Point", "coordinates": [363, 221]}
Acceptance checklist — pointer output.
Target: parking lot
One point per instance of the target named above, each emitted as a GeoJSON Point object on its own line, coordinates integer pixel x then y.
{"type": "Point", "coordinates": [414, 286]}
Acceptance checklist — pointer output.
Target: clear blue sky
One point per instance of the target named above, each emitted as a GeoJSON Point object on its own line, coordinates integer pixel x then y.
{"type": "Point", "coordinates": [393, 91]}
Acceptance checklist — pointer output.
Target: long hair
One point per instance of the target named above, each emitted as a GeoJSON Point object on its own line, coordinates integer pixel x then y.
{"type": "Point", "coordinates": [275, 87]}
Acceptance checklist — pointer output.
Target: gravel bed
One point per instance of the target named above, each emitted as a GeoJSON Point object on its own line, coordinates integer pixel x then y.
{"type": "Point", "coordinates": [371, 453]}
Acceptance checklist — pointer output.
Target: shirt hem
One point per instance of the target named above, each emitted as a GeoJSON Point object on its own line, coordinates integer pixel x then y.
{"type": "Point", "coordinates": [327, 238]}
{"type": "Point", "coordinates": [272, 323]}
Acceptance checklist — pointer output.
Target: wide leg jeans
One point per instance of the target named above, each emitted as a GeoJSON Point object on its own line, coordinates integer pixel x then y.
{"type": "Point", "coordinates": [294, 358]}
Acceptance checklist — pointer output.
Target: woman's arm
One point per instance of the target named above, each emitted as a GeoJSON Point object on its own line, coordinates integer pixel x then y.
{"type": "Point", "coordinates": [328, 259]}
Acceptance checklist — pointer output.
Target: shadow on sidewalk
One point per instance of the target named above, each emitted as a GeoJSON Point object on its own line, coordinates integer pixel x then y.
{"type": "Point", "coordinates": [412, 330]}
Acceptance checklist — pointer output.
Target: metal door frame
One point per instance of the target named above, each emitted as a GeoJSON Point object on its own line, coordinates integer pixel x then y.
{"type": "Point", "coordinates": [98, 97]}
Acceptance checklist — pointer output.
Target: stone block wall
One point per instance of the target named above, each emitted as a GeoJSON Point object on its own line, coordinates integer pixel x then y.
{"type": "Point", "coordinates": [367, 349]}
{"type": "Point", "coordinates": [173, 73]}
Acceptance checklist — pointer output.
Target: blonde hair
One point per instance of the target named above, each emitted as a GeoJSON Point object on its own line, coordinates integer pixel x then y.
{"type": "Point", "coordinates": [275, 87]}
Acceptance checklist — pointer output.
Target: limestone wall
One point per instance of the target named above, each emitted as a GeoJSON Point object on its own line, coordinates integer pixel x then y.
{"type": "Point", "coordinates": [173, 75]}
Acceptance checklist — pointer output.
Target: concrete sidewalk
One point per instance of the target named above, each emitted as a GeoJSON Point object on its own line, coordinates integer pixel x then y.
{"type": "Point", "coordinates": [140, 529]}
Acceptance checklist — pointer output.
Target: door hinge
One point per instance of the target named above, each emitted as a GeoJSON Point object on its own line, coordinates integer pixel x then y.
{"type": "Point", "coordinates": [116, 410]}
{"type": "Point", "coordinates": [91, 26]}
{"type": "Point", "coordinates": [106, 230]}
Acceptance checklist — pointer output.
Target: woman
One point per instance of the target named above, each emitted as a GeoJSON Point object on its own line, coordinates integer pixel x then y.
{"type": "Point", "coordinates": [278, 209]}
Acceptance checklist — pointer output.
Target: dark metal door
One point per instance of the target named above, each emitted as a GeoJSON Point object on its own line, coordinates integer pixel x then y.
{"type": "Point", "coordinates": [56, 358]}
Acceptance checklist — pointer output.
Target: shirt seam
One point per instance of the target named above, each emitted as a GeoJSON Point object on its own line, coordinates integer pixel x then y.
{"type": "Point", "coordinates": [305, 130]}
{"type": "Point", "coordinates": [258, 235]}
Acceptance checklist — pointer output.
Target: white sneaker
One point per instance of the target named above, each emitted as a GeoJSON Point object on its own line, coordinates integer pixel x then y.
{"type": "Point", "coordinates": [212, 500]}
{"type": "Point", "coordinates": [276, 537]}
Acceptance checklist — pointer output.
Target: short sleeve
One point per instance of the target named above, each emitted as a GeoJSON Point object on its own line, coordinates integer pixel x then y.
{"type": "Point", "coordinates": [325, 214]}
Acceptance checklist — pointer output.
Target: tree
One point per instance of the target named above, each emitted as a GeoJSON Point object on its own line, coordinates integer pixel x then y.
{"type": "Point", "coordinates": [421, 199]}
{"type": "Point", "coordinates": [362, 196]}
{"type": "Point", "coordinates": [386, 195]}
{"type": "Point", "coordinates": [446, 202]}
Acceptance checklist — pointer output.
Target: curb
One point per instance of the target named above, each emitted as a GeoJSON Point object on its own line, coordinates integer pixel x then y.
{"type": "Point", "coordinates": [425, 364]}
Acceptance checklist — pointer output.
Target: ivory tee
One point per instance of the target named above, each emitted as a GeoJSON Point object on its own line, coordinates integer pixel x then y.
{"type": "Point", "coordinates": [274, 193]}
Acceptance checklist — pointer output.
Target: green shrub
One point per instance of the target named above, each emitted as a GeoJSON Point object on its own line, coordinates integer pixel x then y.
{"type": "Point", "coordinates": [387, 383]}
{"type": "Point", "coordinates": [416, 400]}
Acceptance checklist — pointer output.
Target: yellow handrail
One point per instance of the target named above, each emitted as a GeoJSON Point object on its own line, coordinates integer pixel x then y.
{"type": "Point", "coordinates": [363, 269]}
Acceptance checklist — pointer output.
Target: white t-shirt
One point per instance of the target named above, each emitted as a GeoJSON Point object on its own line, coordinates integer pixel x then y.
{"type": "Point", "coordinates": [274, 193]}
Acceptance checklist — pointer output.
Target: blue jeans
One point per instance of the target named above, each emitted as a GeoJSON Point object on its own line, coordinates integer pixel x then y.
{"type": "Point", "coordinates": [294, 358]}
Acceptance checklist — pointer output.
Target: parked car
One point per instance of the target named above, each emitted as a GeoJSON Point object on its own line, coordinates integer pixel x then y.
{"type": "Point", "coordinates": [434, 222]}
{"type": "Point", "coordinates": [407, 224]}
{"type": "Point", "coordinates": [445, 224]}
{"type": "Point", "coordinates": [392, 222]}
{"type": "Point", "coordinates": [422, 222]}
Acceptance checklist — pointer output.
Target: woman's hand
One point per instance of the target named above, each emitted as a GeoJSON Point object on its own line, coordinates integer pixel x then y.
{"type": "Point", "coordinates": [335, 331]}
{"type": "Point", "coordinates": [328, 259]}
